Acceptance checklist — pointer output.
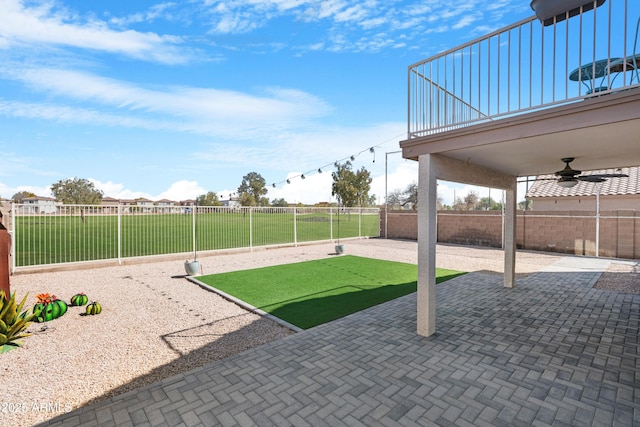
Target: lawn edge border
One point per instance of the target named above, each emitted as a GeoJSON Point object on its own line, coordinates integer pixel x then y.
{"type": "Point", "coordinates": [244, 304]}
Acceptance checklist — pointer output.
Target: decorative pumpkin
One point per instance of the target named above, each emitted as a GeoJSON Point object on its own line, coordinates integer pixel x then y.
{"type": "Point", "coordinates": [79, 299]}
{"type": "Point", "coordinates": [94, 308]}
{"type": "Point", "coordinates": [49, 307]}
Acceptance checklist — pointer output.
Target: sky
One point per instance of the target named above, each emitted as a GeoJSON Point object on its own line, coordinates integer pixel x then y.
{"type": "Point", "coordinates": [170, 100]}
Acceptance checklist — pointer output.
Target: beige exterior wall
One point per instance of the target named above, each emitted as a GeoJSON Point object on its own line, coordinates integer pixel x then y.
{"type": "Point", "coordinates": [586, 203]}
{"type": "Point", "coordinates": [571, 232]}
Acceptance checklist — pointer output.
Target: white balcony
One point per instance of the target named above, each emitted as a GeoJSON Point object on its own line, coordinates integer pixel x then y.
{"type": "Point", "coordinates": [517, 101]}
{"type": "Point", "coordinates": [586, 62]}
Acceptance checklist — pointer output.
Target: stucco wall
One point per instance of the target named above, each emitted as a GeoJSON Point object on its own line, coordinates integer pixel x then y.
{"type": "Point", "coordinates": [567, 232]}
{"type": "Point", "coordinates": [586, 203]}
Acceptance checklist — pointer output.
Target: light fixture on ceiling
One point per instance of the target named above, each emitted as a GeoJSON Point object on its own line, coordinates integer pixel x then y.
{"type": "Point", "coordinates": [567, 183]}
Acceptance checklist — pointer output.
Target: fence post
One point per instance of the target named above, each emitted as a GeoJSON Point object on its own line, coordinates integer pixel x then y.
{"type": "Point", "coordinates": [360, 223]}
{"type": "Point", "coordinates": [119, 234]}
{"type": "Point", "coordinates": [13, 251]}
{"type": "Point", "coordinates": [251, 229]}
{"type": "Point", "coordinates": [331, 224]}
{"type": "Point", "coordinates": [193, 228]}
{"type": "Point", "coordinates": [295, 227]}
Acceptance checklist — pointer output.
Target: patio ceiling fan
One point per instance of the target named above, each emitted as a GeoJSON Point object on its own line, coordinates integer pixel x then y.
{"type": "Point", "coordinates": [569, 177]}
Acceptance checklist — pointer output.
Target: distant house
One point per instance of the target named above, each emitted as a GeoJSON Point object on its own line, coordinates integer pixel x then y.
{"type": "Point", "coordinates": [38, 205]}
{"type": "Point", "coordinates": [143, 205]}
{"type": "Point", "coordinates": [165, 202]}
{"type": "Point", "coordinates": [614, 193]}
{"type": "Point", "coordinates": [232, 202]}
{"type": "Point", "coordinates": [110, 201]}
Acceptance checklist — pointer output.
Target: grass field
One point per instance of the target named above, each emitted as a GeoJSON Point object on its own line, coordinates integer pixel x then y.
{"type": "Point", "coordinates": [310, 293]}
{"type": "Point", "coordinates": [52, 239]}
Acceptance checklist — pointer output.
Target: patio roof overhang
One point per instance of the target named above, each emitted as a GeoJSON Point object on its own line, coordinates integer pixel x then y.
{"type": "Point", "coordinates": [601, 132]}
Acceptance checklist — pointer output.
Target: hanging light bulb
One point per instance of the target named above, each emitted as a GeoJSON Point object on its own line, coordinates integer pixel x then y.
{"type": "Point", "coordinates": [319, 170]}
{"type": "Point", "coordinates": [273, 185]}
{"type": "Point", "coordinates": [352, 158]}
{"type": "Point", "coordinates": [302, 176]}
{"type": "Point", "coordinates": [288, 182]}
{"type": "Point", "coordinates": [371, 150]}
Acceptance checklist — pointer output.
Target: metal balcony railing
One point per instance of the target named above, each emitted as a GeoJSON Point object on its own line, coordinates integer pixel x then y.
{"type": "Point", "coordinates": [527, 66]}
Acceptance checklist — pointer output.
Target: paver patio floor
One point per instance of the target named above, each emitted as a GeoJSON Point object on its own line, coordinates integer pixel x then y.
{"type": "Point", "coordinates": [551, 351]}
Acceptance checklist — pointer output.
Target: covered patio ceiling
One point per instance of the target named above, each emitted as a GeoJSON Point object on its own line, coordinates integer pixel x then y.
{"type": "Point", "coordinates": [600, 133]}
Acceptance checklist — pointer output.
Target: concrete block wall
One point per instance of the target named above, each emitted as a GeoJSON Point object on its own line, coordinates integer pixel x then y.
{"type": "Point", "coordinates": [572, 232]}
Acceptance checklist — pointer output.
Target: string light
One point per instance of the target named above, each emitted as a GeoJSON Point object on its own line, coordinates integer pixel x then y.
{"type": "Point", "coordinates": [337, 163]}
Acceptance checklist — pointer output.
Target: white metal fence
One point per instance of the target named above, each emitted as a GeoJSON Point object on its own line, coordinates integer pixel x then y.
{"type": "Point", "coordinates": [527, 66]}
{"type": "Point", "coordinates": [81, 233]}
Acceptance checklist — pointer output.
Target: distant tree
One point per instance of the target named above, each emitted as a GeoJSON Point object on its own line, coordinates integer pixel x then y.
{"type": "Point", "coordinates": [371, 200]}
{"type": "Point", "coordinates": [487, 203]}
{"type": "Point", "coordinates": [351, 188]}
{"type": "Point", "coordinates": [209, 199]}
{"type": "Point", "coordinates": [279, 202]}
{"type": "Point", "coordinates": [394, 199]}
{"type": "Point", "coordinates": [21, 195]}
{"type": "Point", "coordinates": [471, 200]}
{"type": "Point", "coordinates": [252, 189]}
{"type": "Point", "coordinates": [458, 204]}
{"type": "Point", "coordinates": [76, 191]}
{"type": "Point", "coordinates": [411, 196]}
{"type": "Point", "coordinates": [524, 205]}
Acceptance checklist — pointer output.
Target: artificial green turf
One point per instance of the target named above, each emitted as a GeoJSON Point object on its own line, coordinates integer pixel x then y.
{"type": "Point", "coordinates": [310, 293]}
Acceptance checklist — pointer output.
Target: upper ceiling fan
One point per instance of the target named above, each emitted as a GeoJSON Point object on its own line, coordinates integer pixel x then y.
{"type": "Point", "coordinates": [569, 177]}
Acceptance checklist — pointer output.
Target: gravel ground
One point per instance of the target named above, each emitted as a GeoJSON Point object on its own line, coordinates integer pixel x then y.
{"type": "Point", "coordinates": [155, 323]}
{"type": "Point", "coordinates": [621, 277]}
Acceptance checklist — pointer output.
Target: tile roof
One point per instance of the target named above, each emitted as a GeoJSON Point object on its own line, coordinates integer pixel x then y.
{"type": "Point", "coordinates": [611, 186]}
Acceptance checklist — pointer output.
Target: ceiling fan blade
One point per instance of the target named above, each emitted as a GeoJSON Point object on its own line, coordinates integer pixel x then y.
{"type": "Point", "coordinates": [542, 179]}
{"type": "Point", "coordinates": [590, 178]}
{"type": "Point", "coordinates": [611, 175]}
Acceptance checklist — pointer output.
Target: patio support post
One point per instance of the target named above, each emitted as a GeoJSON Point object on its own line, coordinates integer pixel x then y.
{"type": "Point", "coordinates": [510, 236]}
{"type": "Point", "coordinates": [427, 212]}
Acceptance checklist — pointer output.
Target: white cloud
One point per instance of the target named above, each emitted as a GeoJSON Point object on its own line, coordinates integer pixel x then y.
{"type": "Point", "coordinates": [315, 188]}
{"type": "Point", "coordinates": [6, 191]}
{"type": "Point", "coordinates": [465, 21]}
{"type": "Point", "coordinates": [200, 110]}
{"type": "Point", "coordinates": [156, 11]}
{"type": "Point", "coordinates": [348, 19]}
{"type": "Point", "coordinates": [182, 190]}
{"type": "Point", "coordinates": [42, 25]}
